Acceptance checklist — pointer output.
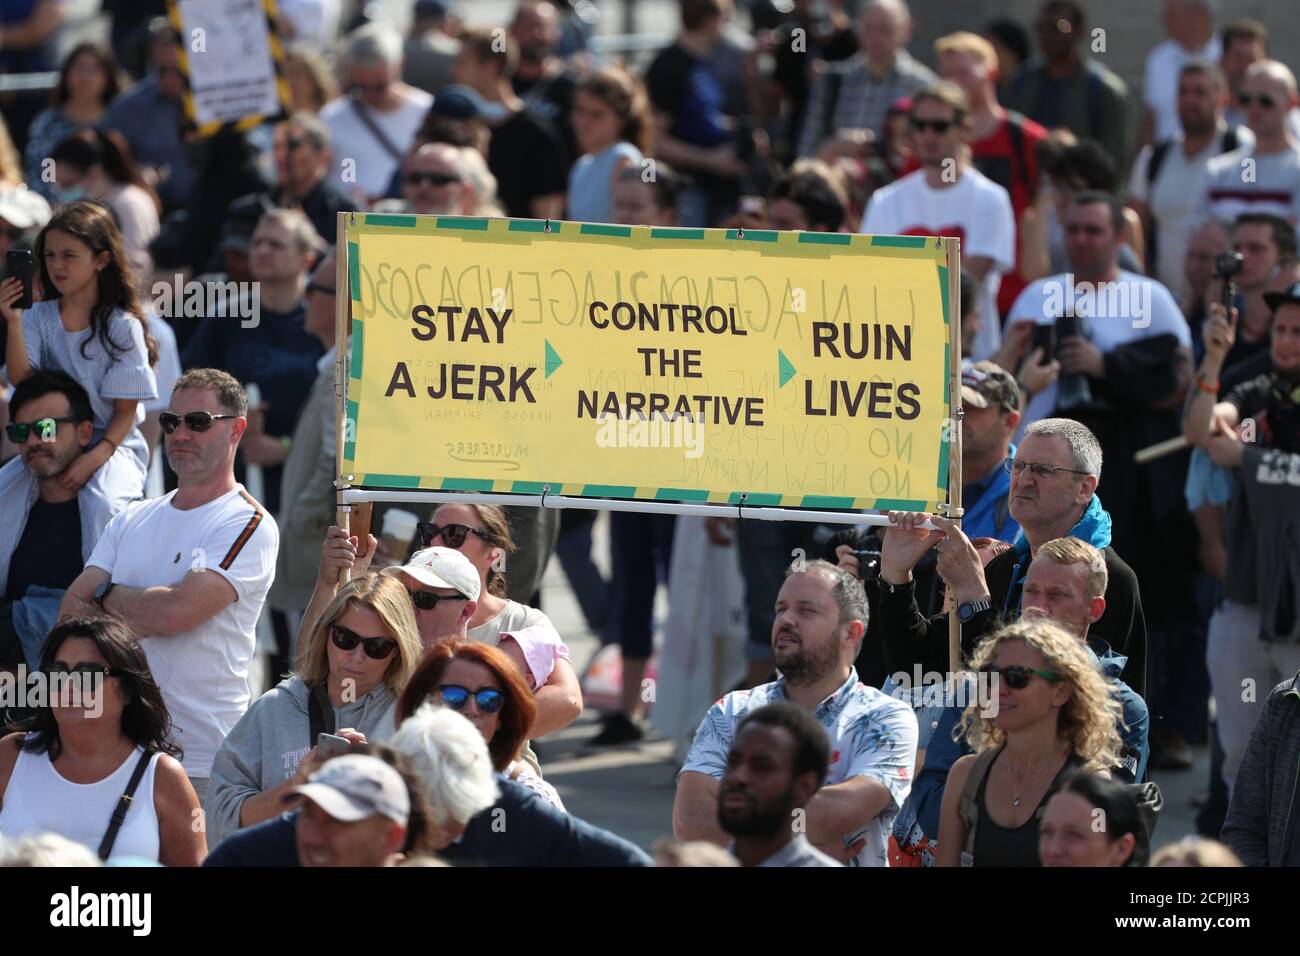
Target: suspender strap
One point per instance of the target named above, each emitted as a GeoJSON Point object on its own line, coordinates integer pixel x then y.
{"type": "Point", "coordinates": [123, 805]}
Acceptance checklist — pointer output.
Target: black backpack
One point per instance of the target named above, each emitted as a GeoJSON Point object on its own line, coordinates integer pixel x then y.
{"type": "Point", "coordinates": [1159, 152]}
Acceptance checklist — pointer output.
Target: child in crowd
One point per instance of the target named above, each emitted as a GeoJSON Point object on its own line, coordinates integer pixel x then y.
{"type": "Point", "coordinates": [611, 121]}
{"type": "Point", "coordinates": [534, 650]}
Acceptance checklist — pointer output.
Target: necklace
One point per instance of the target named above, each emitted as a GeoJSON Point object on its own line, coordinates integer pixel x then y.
{"type": "Point", "coordinates": [1018, 785]}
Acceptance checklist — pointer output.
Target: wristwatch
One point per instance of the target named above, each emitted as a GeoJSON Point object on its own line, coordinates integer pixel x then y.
{"type": "Point", "coordinates": [968, 609]}
{"type": "Point", "coordinates": [101, 594]}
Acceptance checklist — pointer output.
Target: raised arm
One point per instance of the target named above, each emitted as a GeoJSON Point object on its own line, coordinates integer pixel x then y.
{"type": "Point", "coordinates": [1202, 408]}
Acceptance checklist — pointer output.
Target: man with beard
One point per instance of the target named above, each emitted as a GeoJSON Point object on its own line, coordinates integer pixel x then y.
{"type": "Point", "coordinates": [777, 763]}
{"type": "Point", "coordinates": [821, 615]}
{"type": "Point", "coordinates": [543, 79]}
{"type": "Point", "coordinates": [49, 530]}
{"type": "Point", "coordinates": [1255, 634]}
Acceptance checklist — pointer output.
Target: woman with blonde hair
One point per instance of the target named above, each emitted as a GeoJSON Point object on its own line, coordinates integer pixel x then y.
{"type": "Point", "coordinates": [1195, 851]}
{"type": "Point", "coordinates": [311, 85]}
{"type": "Point", "coordinates": [354, 663]}
{"type": "Point", "coordinates": [1052, 714]}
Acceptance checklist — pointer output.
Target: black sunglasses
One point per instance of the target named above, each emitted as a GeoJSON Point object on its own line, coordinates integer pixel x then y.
{"type": "Point", "coordinates": [452, 534]}
{"type": "Point", "coordinates": [488, 699]}
{"type": "Point", "coordinates": [377, 648]}
{"type": "Point", "coordinates": [1263, 99]}
{"type": "Point", "coordinates": [45, 429]}
{"type": "Point", "coordinates": [85, 667]}
{"type": "Point", "coordinates": [194, 421]}
{"type": "Point", "coordinates": [427, 600]}
{"type": "Point", "coordinates": [939, 126]}
{"type": "Point", "coordinates": [433, 179]}
{"type": "Point", "coordinates": [294, 143]}
{"type": "Point", "coordinates": [1018, 677]}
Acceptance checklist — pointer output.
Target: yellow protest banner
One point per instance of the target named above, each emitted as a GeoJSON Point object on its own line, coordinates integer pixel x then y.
{"type": "Point", "coordinates": [690, 365]}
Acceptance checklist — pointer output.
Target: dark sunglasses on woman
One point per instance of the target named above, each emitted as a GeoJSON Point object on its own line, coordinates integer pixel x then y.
{"type": "Point", "coordinates": [194, 421]}
{"type": "Point", "coordinates": [453, 535]}
{"type": "Point", "coordinates": [489, 700]}
{"type": "Point", "coordinates": [85, 667]}
{"type": "Point", "coordinates": [1018, 677]}
{"type": "Point", "coordinates": [376, 647]}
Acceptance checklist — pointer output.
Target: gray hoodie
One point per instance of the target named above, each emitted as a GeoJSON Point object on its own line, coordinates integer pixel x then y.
{"type": "Point", "coordinates": [264, 749]}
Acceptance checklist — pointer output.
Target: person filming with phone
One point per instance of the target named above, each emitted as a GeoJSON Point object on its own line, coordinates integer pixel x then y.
{"type": "Point", "coordinates": [357, 658]}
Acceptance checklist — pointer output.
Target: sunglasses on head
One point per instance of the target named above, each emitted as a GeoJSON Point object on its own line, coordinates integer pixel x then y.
{"type": "Point", "coordinates": [1018, 677]}
{"type": "Point", "coordinates": [939, 126]}
{"type": "Point", "coordinates": [194, 421]}
{"type": "Point", "coordinates": [427, 600]}
{"type": "Point", "coordinates": [45, 429]}
{"type": "Point", "coordinates": [452, 534]}
{"type": "Point", "coordinates": [377, 648]}
{"type": "Point", "coordinates": [433, 179]}
{"type": "Point", "coordinates": [1263, 99]}
{"type": "Point", "coordinates": [85, 667]}
{"type": "Point", "coordinates": [488, 699]}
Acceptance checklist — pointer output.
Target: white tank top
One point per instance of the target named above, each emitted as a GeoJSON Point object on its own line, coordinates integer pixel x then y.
{"type": "Point", "coordinates": [39, 800]}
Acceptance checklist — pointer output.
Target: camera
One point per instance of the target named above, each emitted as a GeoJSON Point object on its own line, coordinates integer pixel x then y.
{"type": "Point", "coordinates": [1227, 265]}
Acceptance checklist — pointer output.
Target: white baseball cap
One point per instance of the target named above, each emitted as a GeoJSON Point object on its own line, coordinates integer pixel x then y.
{"type": "Point", "coordinates": [23, 208]}
{"type": "Point", "coordinates": [440, 567]}
{"type": "Point", "coordinates": [356, 786]}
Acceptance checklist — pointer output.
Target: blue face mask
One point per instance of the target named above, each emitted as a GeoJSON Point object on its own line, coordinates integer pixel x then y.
{"type": "Point", "coordinates": [65, 196]}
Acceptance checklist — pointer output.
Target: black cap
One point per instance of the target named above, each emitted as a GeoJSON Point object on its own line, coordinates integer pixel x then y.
{"type": "Point", "coordinates": [1275, 300]}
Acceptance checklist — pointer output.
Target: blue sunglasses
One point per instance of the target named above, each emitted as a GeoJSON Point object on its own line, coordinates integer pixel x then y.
{"type": "Point", "coordinates": [489, 700]}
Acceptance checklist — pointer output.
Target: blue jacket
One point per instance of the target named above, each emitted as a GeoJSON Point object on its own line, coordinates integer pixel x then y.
{"type": "Point", "coordinates": [986, 506]}
{"type": "Point", "coordinates": [521, 829]}
{"type": "Point", "coordinates": [926, 797]}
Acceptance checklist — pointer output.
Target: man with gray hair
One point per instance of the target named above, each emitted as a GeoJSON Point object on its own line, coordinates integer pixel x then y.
{"type": "Point", "coordinates": [376, 119]}
{"type": "Point", "coordinates": [1054, 478]}
{"type": "Point", "coordinates": [821, 616]}
{"type": "Point", "coordinates": [857, 93]}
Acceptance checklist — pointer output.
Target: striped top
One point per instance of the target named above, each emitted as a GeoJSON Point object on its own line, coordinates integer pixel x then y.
{"type": "Point", "coordinates": [105, 377]}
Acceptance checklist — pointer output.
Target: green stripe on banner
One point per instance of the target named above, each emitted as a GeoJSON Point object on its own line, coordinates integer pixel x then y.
{"type": "Point", "coordinates": [392, 481]}
{"type": "Point", "coordinates": [354, 271]}
{"type": "Point", "coordinates": [535, 487]}
{"type": "Point", "coordinates": [692, 234]}
{"type": "Point", "coordinates": [754, 235]}
{"type": "Point", "coordinates": [592, 229]}
{"type": "Point", "coordinates": [764, 501]}
{"type": "Point", "coordinates": [530, 225]}
{"type": "Point", "coordinates": [825, 238]}
{"type": "Point", "coordinates": [681, 494]}
{"type": "Point", "coordinates": [943, 295]}
{"type": "Point", "coordinates": [456, 222]}
{"type": "Point", "coordinates": [467, 484]}
{"type": "Point", "coordinates": [402, 222]}
{"type": "Point", "coordinates": [949, 422]}
{"type": "Point", "coordinates": [900, 242]}
{"type": "Point", "coordinates": [825, 501]}
{"type": "Point", "coordinates": [358, 337]}
{"type": "Point", "coordinates": [897, 504]}
{"type": "Point", "coordinates": [609, 491]}
{"type": "Point", "coordinates": [350, 447]}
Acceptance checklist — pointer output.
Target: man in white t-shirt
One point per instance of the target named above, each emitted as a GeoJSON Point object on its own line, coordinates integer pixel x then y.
{"type": "Point", "coordinates": [375, 121]}
{"type": "Point", "coordinates": [1190, 24]}
{"type": "Point", "coordinates": [1167, 187]}
{"type": "Point", "coordinates": [949, 197]}
{"type": "Point", "coordinates": [1265, 178]}
{"type": "Point", "coordinates": [189, 571]}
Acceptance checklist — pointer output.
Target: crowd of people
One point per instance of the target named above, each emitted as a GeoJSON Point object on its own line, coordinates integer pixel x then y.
{"type": "Point", "coordinates": [1130, 290]}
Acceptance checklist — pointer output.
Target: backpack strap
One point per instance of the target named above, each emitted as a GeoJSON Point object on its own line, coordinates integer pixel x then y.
{"type": "Point", "coordinates": [1016, 133]}
{"type": "Point", "coordinates": [124, 804]}
{"type": "Point", "coordinates": [1231, 139]}
{"type": "Point", "coordinates": [1159, 151]}
{"type": "Point", "coordinates": [379, 135]}
{"type": "Point", "coordinates": [320, 713]}
{"type": "Point", "coordinates": [968, 809]}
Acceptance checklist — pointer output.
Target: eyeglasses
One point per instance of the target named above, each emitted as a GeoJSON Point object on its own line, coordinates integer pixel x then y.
{"type": "Point", "coordinates": [488, 699]}
{"type": "Point", "coordinates": [939, 126]}
{"type": "Point", "coordinates": [85, 667]}
{"type": "Point", "coordinates": [322, 289]}
{"type": "Point", "coordinates": [433, 179]}
{"type": "Point", "coordinates": [45, 429]}
{"type": "Point", "coordinates": [1040, 470]}
{"type": "Point", "coordinates": [427, 600]}
{"type": "Point", "coordinates": [452, 534]}
{"type": "Point", "coordinates": [377, 648]}
{"type": "Point", "coordinates": [1263, 99]}
{"type": "Point", "coordinates": [1017, 677]}
{"type": "Point", "coordinates": [194, 421]}
{"type": "Point", "coordinates": [294, 143]}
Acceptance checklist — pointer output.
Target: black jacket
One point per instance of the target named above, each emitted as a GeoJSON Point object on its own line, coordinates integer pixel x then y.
{"type": "Point", "coordinates": [910, 639]}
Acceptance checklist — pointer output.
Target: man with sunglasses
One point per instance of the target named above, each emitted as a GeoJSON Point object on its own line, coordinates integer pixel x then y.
{"type": "Point", "coordinates": [444, 587]}
{"type": "Point", "coordinates": [435, 182]}
{"type": "Point", "coordinates": [1054, 478]}
{"type": "Point", "coordinates": [190, 571]}
{"type": "Point", "coordinates": [947, 196]}
{"type": "Point", "coordinates": [1265, 177]}
{"type": "Point", "coordinates": [48, 530]}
